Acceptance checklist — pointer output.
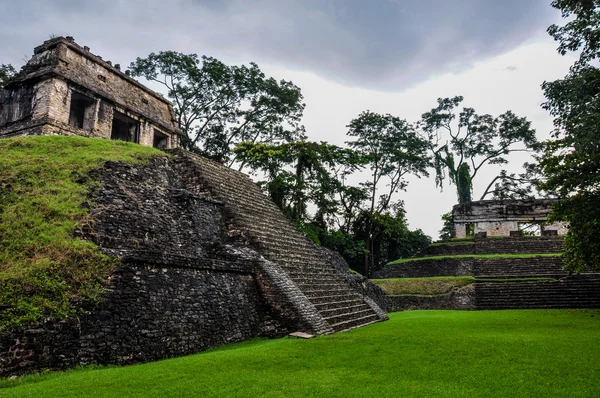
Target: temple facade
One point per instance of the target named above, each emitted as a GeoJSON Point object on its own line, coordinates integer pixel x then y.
{"type": "Point", "coordinates": [505, 218]}
{"type": "Point", "coordinates": [65, 89]}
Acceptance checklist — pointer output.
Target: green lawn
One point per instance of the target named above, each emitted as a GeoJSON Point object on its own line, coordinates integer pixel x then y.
{"type": "Point", "coordinates": [532, 353]}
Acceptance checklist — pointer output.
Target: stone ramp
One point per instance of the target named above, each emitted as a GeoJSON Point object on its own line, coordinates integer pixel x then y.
{"type": "Point", "coordinates": [576, 291]}
{"type": "Point", "coordinates": [255, 218]}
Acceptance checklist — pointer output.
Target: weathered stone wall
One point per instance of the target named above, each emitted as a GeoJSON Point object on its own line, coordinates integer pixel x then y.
{"type": "Point", "coordinates": [191, 274]}
{"type": "Point", "coordinates": [427, 268]}
{"type": "Point", "coordinates": [151, 312]}
{"type": "Point", "coordinates": [257, 221]}
{"type": "Point", "coordinates": [533, 244]}
{"type": "Point", "coordinates": [459, 299]}
{"type": "Point", "coordinates": [57, 69]}
{"type": "Point", "coordinates": [15, 105]}
{"type": "Point", "coordinates": [498, 267]}
{"type": "Point", "coordinates": [500, 217]}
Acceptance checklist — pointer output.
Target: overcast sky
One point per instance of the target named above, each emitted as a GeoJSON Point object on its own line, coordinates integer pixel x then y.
{"type": "Point", "coordinates": [395, 56]}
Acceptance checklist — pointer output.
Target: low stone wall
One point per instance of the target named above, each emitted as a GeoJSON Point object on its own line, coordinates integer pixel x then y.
{"type": "Point", "coordinates": [447, 250]}
{"type": "Point", "coordinates": [427, 268]}
{"type": "Point", "coordinates": [151, 312]}
{"type": "Point", "coordinates": [459, 299]}
{"type": "Point", "coordinates": [522, 245]}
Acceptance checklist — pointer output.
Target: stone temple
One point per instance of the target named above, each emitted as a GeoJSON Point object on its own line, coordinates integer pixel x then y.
{"type": "Point", "coordinates": [65, 89]}
{"type": "Point", "coordinates": [205, 258]}
{"type": "Point", "coordinates": [505, 217]}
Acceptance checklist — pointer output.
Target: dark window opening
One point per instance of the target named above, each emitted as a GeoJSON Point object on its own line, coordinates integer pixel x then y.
{"type": "Point", "coordinates": [124, 128]}
{"type": "Point", "coordinates": [160, 140]}
{"type": "Point", "coordinates": [81, 113]}
{"type": "Point", "coordinates": [530, 228]}
{"type": "Point", "coordinates": [470, 229]}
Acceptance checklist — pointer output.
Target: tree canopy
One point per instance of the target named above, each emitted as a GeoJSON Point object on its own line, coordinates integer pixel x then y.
{"type": "Point", "coordinates": [392, 150]}
{"type": "Point", "coordinates": [220, 106]}
{"type": "Point", "coordinates": [571, 160]}
{"type": "Point", "coordinates": [462, 143]}
{"type": "Point", "coordinates": [7, 71]}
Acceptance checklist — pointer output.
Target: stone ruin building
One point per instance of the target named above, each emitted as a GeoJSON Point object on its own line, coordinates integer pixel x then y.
{"type": "Point", "coordinates": [205, 258]}
{"type": "Point", "coordinates": [504, 218]}
{"type": "Point", "coordinates": [514, 271]}
{"type": "Point", "coordinates": [65, 89]}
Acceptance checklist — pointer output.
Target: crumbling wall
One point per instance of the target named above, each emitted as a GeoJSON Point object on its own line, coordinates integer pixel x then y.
{"type": "Point", "coordinates": [60, 67]}
{"type": "Point", "coordinates": [152, 311]}
{"type": "Point", "coordinates": [15, 105]}
{"type": "Point", "coordinates": [500, 217]}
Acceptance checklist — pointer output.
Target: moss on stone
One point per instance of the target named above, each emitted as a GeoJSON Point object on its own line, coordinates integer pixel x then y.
{"type": "Point", "coordinates": [45, 271]}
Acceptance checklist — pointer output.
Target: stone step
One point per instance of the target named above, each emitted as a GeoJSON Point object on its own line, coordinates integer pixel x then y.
{"type": "Point", "coordinates": [350, 324]}
{"type": "Point", "coordinates": [353, 309]}
{"type": "Point", "coordinates": [348, 316]}
{"type": "Point", "coordinates": [331, 305]}
{"type": "Point", "coordinates": [330, 298]}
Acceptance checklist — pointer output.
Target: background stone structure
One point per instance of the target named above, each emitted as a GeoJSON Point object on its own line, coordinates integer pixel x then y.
{"type": "Point", "coordinates": [501, 217]}
{"type": "Point", "coordinates": [65, 89]}
{"type": "Point", "coordinates": [205, 259]}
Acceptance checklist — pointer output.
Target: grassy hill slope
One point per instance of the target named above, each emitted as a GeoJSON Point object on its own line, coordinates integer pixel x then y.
{"type": "Point", "coordinates": [44, 269]}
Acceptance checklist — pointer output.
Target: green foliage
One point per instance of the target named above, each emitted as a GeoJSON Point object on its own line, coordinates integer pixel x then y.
{"type": "Point", "coordinates": [392, 149]}
{"type": "Point", "coordinates": [300, 173]}
{"type": "Point", "coordinates": [527, 353]}
{"type": "Point", "coordinates": [571, 161]}
{"type": "Point", "coordinates": [7, 72]}
{"type": "Point", "coordinates": [464, 186]}
{"type": "Point", "coordinates": [389, 238]}
{"type": "Point", "coordinates": [44, 270]}
{"type": "Point", "coordinates": [423, 286]}
{"type": "Point", "coordinates": [447, 231]}
{"type": "Point", "coordinates": [219, 106]}
{"type": "Point", "coordinates": [457, 141]}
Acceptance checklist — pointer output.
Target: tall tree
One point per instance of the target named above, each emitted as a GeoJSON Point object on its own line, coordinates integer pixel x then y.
{"type": "Point", "coordinates": [6, 73]}
{"type": "Point", "coordinates": [219, 106]}
{"type": "Point", "coordinates": [462, 143]}
{"type": "Point", "coordinates": [571, 160]}
{"type": "Point", "coordinates": [301, 173]}
{"type": "Point", "coordinates": [393, 150]}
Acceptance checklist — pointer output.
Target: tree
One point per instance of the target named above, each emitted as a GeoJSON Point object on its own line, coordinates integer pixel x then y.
{"type": "Point", "coordinates": [219, 106]}
{"type": "Point", "coordinates": [392, 150]}
{"type": "Point", "coordinates": [447, 231]}
{"type": "Point", "coordinates": [305, 174]}
{"type": "Point", "coordinates": [571, 161]}
{"type": "Point", "coordinates": [461, 144]}
{"type": "Point", "coordinates": [299, 173]}
{"type": "Point", "coordinates": [7, 72]}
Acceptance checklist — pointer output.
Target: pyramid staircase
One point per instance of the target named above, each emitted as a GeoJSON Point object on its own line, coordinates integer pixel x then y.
{"type": "Point", "coordinates": [259, 220]}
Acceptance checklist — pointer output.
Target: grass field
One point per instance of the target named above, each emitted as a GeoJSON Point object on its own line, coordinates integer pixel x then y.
{"type": "Point", "coordinates": [532, 353]}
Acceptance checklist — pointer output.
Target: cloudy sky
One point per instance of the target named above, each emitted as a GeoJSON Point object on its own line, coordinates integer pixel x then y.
{"type": "Point", "coordinates": [388, 56]}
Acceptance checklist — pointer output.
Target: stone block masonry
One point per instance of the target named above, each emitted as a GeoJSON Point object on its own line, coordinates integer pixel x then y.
{"type": "Point", "coordinates": [65, 89]}
{"type": "Point", "coordinates": [205, 259]}
{"type": "Point", "coordinates": [501, 217]}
